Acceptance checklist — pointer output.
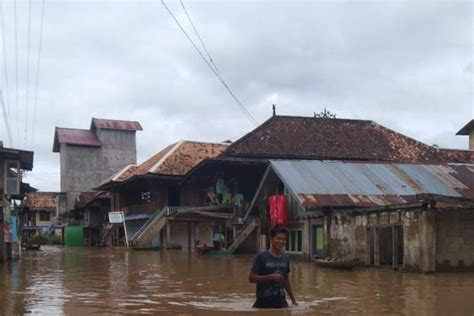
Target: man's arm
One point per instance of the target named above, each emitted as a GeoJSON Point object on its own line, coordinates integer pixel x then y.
{"type": "Point", "coordinates": [289, 290]}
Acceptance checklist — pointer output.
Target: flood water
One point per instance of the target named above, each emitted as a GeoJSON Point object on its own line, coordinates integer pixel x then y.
{"type": "Point", "coordinates": [83, 281]}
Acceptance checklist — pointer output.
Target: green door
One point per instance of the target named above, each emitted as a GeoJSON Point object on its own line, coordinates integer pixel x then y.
{"type": "Point", "coordinates": [318, 241]}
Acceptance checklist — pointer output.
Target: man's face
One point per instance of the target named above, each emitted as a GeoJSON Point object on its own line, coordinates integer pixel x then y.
{"type": "Point", "coordinates": [279, 241]}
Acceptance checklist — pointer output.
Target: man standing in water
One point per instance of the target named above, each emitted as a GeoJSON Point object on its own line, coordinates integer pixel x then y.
{"type": "Point", "coordinates": [270, 271]}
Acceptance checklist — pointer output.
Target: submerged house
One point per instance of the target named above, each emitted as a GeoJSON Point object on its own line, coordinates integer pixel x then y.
{"type": "Point", "coordinates": [38, 213]}
{"type": "Point", "coordinates": [409, 216]}
{"type": "Point", "coordinates": [306, 138]}
{"type": "Point", "coordinates": [154, 202]}
{"type": "Point", "coordinates": [12, 163]}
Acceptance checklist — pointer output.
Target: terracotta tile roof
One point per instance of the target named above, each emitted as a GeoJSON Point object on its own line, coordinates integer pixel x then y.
{"type": "Point", "coordinates": [455, 155]}
{"type": "Point", "coordinates": [174, 160]}
{"type": "Point", "coordinates": [115, 124]}
{"type": "Point", "coordinates": [41, 200]}
{"type": "Point", "coordinates": [338, 139]}
{"type": "Point", "coordinates": [178, 159]}
{"type": "Point", "coordinates": [79, 137]}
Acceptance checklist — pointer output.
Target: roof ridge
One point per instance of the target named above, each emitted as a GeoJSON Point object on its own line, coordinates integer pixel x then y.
{"type": "Point", "coordinates": [74, 129]}
{"type": "Point", "coordinates": [204, 142]}
{"type": "Point", "coordinates": [166, 156]}
{"type": "Point", "coordinates": [322, 118]}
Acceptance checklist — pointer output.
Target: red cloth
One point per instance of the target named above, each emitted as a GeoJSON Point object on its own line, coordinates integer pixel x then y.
{"type": "Point", "coordinates": [277, 210]}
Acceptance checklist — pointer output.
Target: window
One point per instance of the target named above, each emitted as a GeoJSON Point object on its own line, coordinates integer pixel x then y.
{"type": "Point", "coordinates": [295, 241]}
{"type": "Point", "coordinates": [145, 197]}
{"type": "Point", "coordinates": [12, 177]}
{"type": "Point", "coordinates": [44, 216]}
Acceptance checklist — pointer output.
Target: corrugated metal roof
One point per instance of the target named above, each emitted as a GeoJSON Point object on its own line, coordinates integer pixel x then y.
{"type": "Point", "coordinates": [79, 137]}
{"type": "Point", "coordinates": [330, 183]}
{"type": "Point", "coordinates": [116, 124]}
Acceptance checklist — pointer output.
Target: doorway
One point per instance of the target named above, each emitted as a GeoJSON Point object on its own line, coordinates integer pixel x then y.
{"type": "Point", "coordinates": [317, 236]}
{"type": "Point", "coordinates": [385, 246]}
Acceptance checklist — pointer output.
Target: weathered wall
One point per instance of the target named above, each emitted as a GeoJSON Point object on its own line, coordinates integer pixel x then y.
{"type": "Point", "coordinates": [454, 241]}
{"type": "Point", "coordinates": [349, 237]}
{"type": "Point", "coordinates": [179, 234]}
{"type": "Point", "coordinates": [471, 140]}
{"type": "Point", "coordinates": [83, 168]}
{"type": "Point", "coordinates": [191, 195]}
{"type": "Point", "coordinates": [340, 241]}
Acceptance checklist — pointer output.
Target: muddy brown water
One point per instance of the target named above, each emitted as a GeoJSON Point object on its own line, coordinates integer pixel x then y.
{"type": "Point", "coordinates": [84, 281]}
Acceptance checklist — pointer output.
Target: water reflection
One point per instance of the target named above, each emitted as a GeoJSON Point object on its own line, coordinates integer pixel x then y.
{"type": "Point", "coordinates": [84, 281]}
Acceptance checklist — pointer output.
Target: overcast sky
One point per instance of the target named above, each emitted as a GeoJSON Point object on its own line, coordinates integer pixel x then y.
{"type": "Point", "coordinates": [407, 66]}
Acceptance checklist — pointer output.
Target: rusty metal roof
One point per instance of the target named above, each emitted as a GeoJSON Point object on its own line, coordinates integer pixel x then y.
{"type": "Point", "coordinates": [41, 200]}
{"type": "Point", "coordinates": [336, 183]}
{"type": "Point", "coordinates": [71, 136]}
{"type": "Point", "coordinates": [293, 137]}
{"type": "Point", "coordinates": [115, 124]}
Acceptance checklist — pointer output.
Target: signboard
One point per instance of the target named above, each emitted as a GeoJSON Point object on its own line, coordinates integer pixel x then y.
{"type": "Point", "coordinates": [116, 217]}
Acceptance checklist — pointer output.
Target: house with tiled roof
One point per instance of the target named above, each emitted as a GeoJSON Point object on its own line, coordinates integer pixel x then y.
{"type": "Point", "coordinates": [245, 164]}
{"type": "Point", "coordinates": [141, 191]}
{"type": "Point", "coordinates": [38, 213]}
{"type": "Point", "coordinates": [89, 156]}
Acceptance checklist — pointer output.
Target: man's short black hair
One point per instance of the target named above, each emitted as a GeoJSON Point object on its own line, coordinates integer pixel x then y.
{"type": "Point", "coordinates": [278, 230]}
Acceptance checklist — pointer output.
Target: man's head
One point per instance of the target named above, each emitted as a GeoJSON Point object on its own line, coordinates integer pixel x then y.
{"type": "Point", "coordinates": [278, 238]}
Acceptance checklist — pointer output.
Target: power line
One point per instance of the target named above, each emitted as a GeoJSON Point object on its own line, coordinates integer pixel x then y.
{"type": "Point", "coordinates": [16, 80]}
{"type": "Point", "coordinates": [37, 73]}
{"type": "Point", "coordinates": [200, 39]}
{"type": "Point", "coordinates": [5, 68]}
{"type": "Point", "coordinates": [239, 103]}
{"type": "Point", "coordinates": [28, 71]}
{"type": "Point", "coordinates": [5, 118]}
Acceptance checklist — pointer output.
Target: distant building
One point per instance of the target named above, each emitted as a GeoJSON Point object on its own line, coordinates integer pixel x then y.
{"type": "Point", "coordinates": [88, 157]}
{"type": "Point", "coordinates": [468, 130]}
{"type": "Point", "coordinates": [143, 191]}
{"type": "Point", "coordinates": [39, 211]}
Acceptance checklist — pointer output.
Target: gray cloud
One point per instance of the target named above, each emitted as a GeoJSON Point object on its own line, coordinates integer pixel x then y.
{"type": "Point", "coordinates": [405, 65]}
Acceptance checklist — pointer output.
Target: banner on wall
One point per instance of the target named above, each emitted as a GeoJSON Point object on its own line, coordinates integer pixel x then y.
{"type": "Point", "coordinates": [7, 234]}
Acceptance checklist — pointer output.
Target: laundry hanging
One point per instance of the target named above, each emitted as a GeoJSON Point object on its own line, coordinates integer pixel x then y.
{"type": "Point", "coordinates": [277, 210]}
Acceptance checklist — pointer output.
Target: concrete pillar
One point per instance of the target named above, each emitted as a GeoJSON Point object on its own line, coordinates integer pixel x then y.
{"type": "Point", "coordinates": [427, 241]}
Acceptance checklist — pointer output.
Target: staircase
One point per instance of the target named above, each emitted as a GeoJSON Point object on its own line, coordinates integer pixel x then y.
{"type": "Point", "coordinates": [243, 234]}
{"type": "Point", "coordinates": [150, 229]}
{"type": "Point", "coordinates": [106, 232]}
